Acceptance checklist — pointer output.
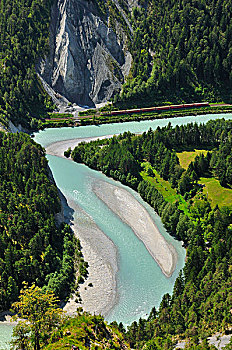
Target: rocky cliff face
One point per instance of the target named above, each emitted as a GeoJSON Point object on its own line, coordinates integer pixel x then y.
{"type": "Point", "coordinates": [88, 60]}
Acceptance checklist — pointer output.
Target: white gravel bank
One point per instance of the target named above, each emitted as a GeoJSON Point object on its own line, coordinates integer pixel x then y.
{"type": "Point", "coordinates": [121, 202]}
{"type": "Point", "coordinates": [99, 251]}
{"type": "Point", "coordinates": [58, 148]}
{"type": "Point", "coordinates": [99, 291]}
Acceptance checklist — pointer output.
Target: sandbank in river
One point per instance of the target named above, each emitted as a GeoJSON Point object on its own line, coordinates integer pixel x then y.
{"type": "Point", "coordinates": [130, 211]}
{"type": "Point", "coordinates": [99, 291]}
{"type": "Point", "coordinates": [99, 251]}
{"type": "Point", "coordinates": [58, 148]}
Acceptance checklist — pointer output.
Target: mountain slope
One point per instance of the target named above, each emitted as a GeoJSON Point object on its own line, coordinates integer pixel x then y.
{"type": "Point", "coordinates": [34, 248]}
{"type": "Point", "coordinates": [182, 51]}
{"type": "Point", "coordinates": [88, 57]}
{"type": "Point", "coordinates": [24, 26]}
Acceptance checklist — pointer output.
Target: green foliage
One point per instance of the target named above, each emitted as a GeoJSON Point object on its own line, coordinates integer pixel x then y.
{"type": "Point", "coordinates": [59, 123]}
{"type": "Point", "coordinates": [164, 187]}
{"type": "Point", "coordinates": [68, 152]}
{"type": "Point", "coordinates": [41, 316]}
{"type": "Point", "coordinates": [88, 112]}
{"type": "Point", "coordinates": [122, 165]}
{"type": "Point", "coordinates": [33, 247]}
{"type": "Point", "coordinates": [181, 52]}
{"type": "Point", "coordinates": [201, 299]}
{"type": "Point", "coordinates": [59, 115]}
{"type": "Point", "coordinates": [24, 31]}
{"type": "Point", "coordinates": [216, 194]}
{"type": "Point", "coordinates": [87, 332]}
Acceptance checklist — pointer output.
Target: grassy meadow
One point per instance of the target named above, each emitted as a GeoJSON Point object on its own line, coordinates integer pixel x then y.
{"type": "Point", "coordinates": [164, 187]}
{"type": "Point", "coordinates": [186, 157]}
{"type": "Point", "coordinates": [216, 193]}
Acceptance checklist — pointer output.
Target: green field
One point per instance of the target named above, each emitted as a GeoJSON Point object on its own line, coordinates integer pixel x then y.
{"type": "Point", "coordinates": [59, 115]}
{"type": "Point", "coordinates": [187, 157]}
{"type": "Point", "coordinates": [216, 193]}
{"type": "Point", "coordinates": [164, 187]}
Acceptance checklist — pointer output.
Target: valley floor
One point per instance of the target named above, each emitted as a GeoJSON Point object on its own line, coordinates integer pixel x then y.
{"type": "Point", "coordinates": [98, 292]}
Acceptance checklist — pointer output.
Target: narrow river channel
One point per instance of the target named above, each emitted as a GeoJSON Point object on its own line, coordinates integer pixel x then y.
{"type": "Point", "coordinates": [140, 281]}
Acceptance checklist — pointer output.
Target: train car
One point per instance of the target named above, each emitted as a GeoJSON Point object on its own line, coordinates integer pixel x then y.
{"type": "Point", "coordinates": [116, 112]}
{"type": "Point", "coordinates": [150, 109]}
{"type": "Point", "coordinates": [201, 104]}
{"type": "Point", "coordinates": [162, 108]}
{"type": "Point", "coordinates": [157, 109]}
{"type": "Point", "coordinates": [188, 105]}
{"type": "Point", "coordinates": [134, 111]}
{"type": "Point", "coordinates": [176, 106]}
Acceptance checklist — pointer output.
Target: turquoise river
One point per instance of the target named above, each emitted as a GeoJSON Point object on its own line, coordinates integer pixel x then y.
{"type": "Point", "coordinates": [140, 282]}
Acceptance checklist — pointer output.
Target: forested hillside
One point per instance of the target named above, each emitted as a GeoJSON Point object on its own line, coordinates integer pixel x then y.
{"type": "Point", "coordinates": [87, 332]}
{"type": "Point", "coordinates": [33, 248]}
{"type": "Point", "coordinates": [24, 38]}
{"type": "Point", "coordinates": [201, 300]}
{"type": "Point", "coordinates": [182, 51]}
{"type": "Point", "coordinates": [58, 331]}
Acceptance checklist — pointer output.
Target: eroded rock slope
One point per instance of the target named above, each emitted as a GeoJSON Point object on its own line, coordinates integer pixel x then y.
{"type": "Point", "coordinates": [89, 56]}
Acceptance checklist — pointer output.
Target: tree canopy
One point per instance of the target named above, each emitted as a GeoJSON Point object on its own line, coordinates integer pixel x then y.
{"type": "Point", "coordinates": [34, 247]}
{"type": "Point", "coordinates": [24, 38]}
{"type": "Point", "coordinates": [181, 51]}
{"type": "Point", "coordinates": [41, 315]}
{"type": "Point", "coordinates": [201, 299]}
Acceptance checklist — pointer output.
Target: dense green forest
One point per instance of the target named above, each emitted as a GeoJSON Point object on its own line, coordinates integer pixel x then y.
{"type": "Point", "coordinates": [182, 51]}
{"type": "Point", "coordinates": [33, 247]}
{"type": "Point", "coordinates": [58, 331]}
{"type": "Point", "coordinates": [24, 38]}
{"type": "Point", "coordinates": [201, 300]}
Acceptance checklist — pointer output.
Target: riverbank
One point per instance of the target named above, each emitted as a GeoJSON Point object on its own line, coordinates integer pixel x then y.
{"type": "Point", "coordinates": [130, 211]}
{"type": "Point", "coordinates": [105, 119]}
{"type": "Point", "coordinates": [98, 292]}
{"type": "Point", "coordinates": [57, 148]}
{"type": "Point", "coordinates": [6, 318]}
{"type": "Point", "coordinates": [122, 118]}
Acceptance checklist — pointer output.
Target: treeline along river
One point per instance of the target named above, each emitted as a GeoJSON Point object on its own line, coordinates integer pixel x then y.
{"type": "Point", "coordinates": [140, 281]}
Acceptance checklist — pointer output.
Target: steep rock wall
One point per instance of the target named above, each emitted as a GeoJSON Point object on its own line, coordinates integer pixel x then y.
{"type": "Point", "coordinates": [88, 60]}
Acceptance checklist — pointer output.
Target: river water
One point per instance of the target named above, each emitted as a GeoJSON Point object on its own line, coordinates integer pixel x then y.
{"type": "Point", "coordinates": [5, 336]}
{"type": "Point", "coordinates": [140, 282]}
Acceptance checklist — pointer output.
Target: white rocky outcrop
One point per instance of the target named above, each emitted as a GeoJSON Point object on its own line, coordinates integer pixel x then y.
{"type": "Point", "coordinates": [88, 61]}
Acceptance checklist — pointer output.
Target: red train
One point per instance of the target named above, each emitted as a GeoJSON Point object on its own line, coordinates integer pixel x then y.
{"type": "Point", "coordinates": [157, 109]}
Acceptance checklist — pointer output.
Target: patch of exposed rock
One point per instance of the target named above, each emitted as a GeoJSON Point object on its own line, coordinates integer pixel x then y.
{"type": "Point", "coordinates": [18, 128]}
{"type": "Point", "coordinates": [88, 60]}
{"type": "Point", "coordinates": [12, 128]}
